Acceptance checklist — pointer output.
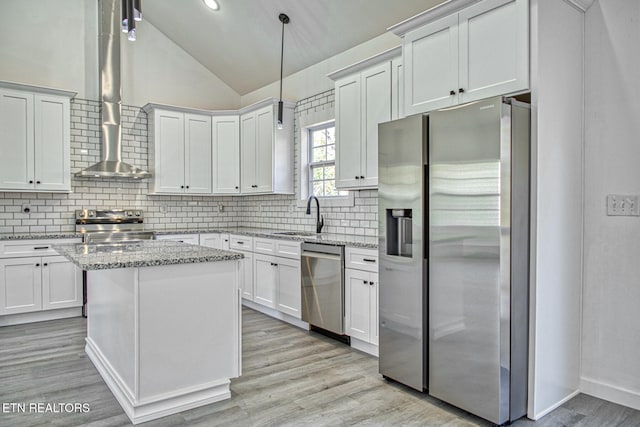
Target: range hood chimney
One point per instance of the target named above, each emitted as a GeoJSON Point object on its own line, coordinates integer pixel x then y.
{"type": "Point", "coordinates": [111, 165]}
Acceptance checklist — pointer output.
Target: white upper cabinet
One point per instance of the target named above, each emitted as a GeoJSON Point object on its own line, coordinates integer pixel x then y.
{"type": "Point", "coordinates": [397, 89]}
{"type": "Point", "coordinates": [364, 98]}
{"type": "Point", "coordinates": [455, 54]}
{"type": "Point", "coordinates": [226, 154]}
{"type": "Point", "coordinates": [35, 149]}
{"type": "Point", "coordinates": [181, 151]}
{"type": "Point", "coordinates": [266, 152]}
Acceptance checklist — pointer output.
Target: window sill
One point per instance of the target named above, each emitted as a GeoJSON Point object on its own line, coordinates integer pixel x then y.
{"type": "Point", "coordinates": [332, 202]}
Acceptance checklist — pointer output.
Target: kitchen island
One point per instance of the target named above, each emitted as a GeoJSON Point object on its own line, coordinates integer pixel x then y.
{"type": "Point", "coordinates": [163, 326]}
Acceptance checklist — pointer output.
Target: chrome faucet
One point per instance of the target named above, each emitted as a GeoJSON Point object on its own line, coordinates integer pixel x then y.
{"type": "Point", "coordinates": [320, 219]}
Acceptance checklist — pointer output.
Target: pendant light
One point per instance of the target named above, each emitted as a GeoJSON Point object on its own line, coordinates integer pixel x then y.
{"type": "Point", "coordinates": [131, 12]}
{"type": "Point", "coordinates": [285, 20]}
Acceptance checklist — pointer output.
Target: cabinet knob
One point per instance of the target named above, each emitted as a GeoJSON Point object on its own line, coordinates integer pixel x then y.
{"type": "Point", "coordinates": [361, 177]}
{"type": "Point", "coordinates": [31, 182]}
{"type": "Point", "coordinates": [452, 92]}
{"type": "Point", "coordinates": [38, 265]}
{"type": "Point", "coordinates": [236, 187]}
{"type": "Point", "coordinates": [187, 186]}
{"type": "Point", "coordinates": [182, 186]}
{"type": "Point", "coordinates": [37, 182]}
{"type": "Point", "coordinates": [365, 282]}
{"type": "Point", "coordinates": [461, 90]}
{"type": "Point", "coordinates": [371, 283]}
{"type": "Point", "coordinates": [357, 177]}
{"type": "Point", "coordinates": [45, 264]}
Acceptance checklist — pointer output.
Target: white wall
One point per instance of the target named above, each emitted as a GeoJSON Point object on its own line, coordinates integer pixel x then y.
{"type": "Point", "coordinates": [556, 222]}
{"type": "Point", "coordinates": [50, 43]}
{"type": "Point", "coordinates": [314, 80]}
{"type": "Point", "coordinates": [611, 331]}
{"type": "Point", "coordinates": [55, 43]}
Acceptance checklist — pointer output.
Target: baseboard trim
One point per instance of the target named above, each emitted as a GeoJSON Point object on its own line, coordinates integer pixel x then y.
{"type": "Point", "coordinates": [553, 407]}
{"type": "Point", "coordinates": [364, 346]}
{"type": "Point", "coordinates": [610, 392]}
{"type": "Point", "coordinates": [276, 314]}
{"type": "Point", "coordinates": [40, 316]}
{"type": "Point", "coordinates": [151, 409]}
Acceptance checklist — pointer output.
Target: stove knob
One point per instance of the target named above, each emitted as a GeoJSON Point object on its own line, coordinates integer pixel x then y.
{"type": "Point", "coordinates": [92, 214]}
{"type": "Point", "coordinates": [129, 213]}
{"type": "Point", "coordinates": [138, 213]}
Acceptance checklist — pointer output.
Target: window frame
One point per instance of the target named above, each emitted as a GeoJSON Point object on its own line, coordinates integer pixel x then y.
{"type": "Point", "coordinates": [311, 165]}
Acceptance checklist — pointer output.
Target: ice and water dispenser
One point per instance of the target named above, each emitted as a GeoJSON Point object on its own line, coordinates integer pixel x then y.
{"type": "Point", "coordinates": [399, 232]}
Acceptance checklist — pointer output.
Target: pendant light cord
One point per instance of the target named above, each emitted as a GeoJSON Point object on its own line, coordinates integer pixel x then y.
{"type": "Point", "coordinates": [281, 58]}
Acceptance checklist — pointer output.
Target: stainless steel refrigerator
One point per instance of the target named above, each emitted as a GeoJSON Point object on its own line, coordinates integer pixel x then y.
{"type": "Point", "coordinates": [454, 239]}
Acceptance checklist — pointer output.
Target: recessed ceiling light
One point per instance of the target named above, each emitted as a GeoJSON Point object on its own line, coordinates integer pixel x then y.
{"type": "Point", "coordinates": [212, 4]}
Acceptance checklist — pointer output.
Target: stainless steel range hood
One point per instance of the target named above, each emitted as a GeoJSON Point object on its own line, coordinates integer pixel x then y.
{"type": "Point", "coordinates": [111, 165]}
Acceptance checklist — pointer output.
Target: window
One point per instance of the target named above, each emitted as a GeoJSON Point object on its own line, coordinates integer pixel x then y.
{"type": "Point", "coordinates": [322, 161]}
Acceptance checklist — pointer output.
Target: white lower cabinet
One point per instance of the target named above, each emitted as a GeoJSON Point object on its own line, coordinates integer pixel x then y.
{"type": "Point", "coordinates": [288, 292]}
{"type": "Point", "coordinates": [361, 305]}
{"type": "Point", "coordinates": [39, 283]}
{"type": "Point", "coordinates": [215, 240]}
{"type": "Point", "coordinates": [264, 273]}
{"type": "Point", "coordinates": [246, 273]}
{"type": "Point", "coordinates": [361, 298]}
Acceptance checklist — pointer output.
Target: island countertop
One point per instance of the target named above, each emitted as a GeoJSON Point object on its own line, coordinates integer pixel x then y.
{"type": "Point", "coordinates": [148, 253]}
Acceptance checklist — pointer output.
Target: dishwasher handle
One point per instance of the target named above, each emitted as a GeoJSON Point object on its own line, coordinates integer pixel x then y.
{"type": "Point", "coordinates": [321, 255]}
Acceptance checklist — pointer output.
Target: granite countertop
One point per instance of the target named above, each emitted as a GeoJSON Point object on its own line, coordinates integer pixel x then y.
{"type": "Point", "coordinates": [41, 235]}
{"type": "Point", "coordinates": [149, 253]}
{"type": "Point", "coordinates": [335, 239]}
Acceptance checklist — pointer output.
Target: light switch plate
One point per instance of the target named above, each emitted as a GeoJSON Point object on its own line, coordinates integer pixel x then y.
{"type": "Point", "coordinates": [623, 205]}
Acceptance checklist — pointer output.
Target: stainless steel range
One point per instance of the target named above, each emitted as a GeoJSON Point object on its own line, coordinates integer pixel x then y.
{"type": "Point", "coordinates": [109, 226]}
{"type": "Point", "coordinates": [114, 225]}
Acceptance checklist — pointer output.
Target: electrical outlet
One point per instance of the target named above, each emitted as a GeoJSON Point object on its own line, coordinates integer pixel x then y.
{"type": "Point", "coordinates": [26, 209]}
{"type": "Point", "coordinates": [163, 208]}
{"type": "Point", "coordinates": [292, 208]}
{"type": "Point", "coordinates": [260, 207]}
{"type": "Point", "coordinates": [622, 205]}
{"type": "Point", "coordinates": [220, 207]}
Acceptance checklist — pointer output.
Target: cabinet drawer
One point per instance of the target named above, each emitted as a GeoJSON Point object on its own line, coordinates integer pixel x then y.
{"type": "Point", "coordinates": [243, 243]}
{"type": "Point", "coordinates": [264, 246]}
{"type": "Point", "coordinates": [288, 249]}
{"type": "Point", "coordinates": [25, 248]}
{"type": "Point", "coordinates": [192, 239]}
{"type": "Point", "coordinates": [361, 259]}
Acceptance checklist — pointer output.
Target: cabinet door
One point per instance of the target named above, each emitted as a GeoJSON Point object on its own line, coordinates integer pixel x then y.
{"type": "Point", "coordinates": [197, 149]}
{"type": "Point", "coordinates": [357, 304]}
{"type": "Point", "coordinates": [52, 118]}
{"type": "Point", "coordinates": [397, 89]}
{"type": "Point", "coordinates": [289, 299]}
{"type": "Point", "coordinates": [431, 66]}
{"type": "Point", "coordinates": [376, 108]}
{"type": "Point", "coordinates": [373, 308]}
{"type": "Point", "coordinates": [169, 152]}
{"type": "Point", "coordinates": [494, 49]}
{"type": "Point", "coordinates": [213, 240]}
{"type": "Point", "coordinates": [20, 285]}
{"type": "Point", "coordinates": [348, 132]}
{"type": "Point", "coordinates": [248, 153]}
{"type": "Point", "coordinates": [264, 280]}
{"type": "Point", "coordinates": [61, 283]}
{"type": "Point", "coordinates": [16, 143]}
{"type": "Point", "coordinates": [226, 155]}
{"type": "Point", "coordinates": [247, 280]}
{"type": "Point", "coordinates": [264, 149]}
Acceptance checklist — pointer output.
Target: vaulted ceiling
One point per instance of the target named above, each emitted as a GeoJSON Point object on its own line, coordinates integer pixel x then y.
{"type": "Point", "coordinates": [240, 43]}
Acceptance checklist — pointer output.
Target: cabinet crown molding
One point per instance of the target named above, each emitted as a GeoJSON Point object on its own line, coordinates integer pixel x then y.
{"type": "Point", "coordinates": [581, 4]}
{"type": "Point", "coordinates": [387, 55]}
{"type": "Point", "coordinates": [430, 15]}
{"type": "Point", "coordinates": [36, 89]}
{"type": "Point", "coordinates": [265, 102]}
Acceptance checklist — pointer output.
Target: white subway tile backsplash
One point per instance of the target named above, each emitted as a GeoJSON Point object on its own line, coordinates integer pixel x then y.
{"type": "Point", "coordinates": [55, 212]}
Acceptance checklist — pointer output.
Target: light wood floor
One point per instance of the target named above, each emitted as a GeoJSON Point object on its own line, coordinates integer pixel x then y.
{"type": "Point", "coordinates": [290, 377]}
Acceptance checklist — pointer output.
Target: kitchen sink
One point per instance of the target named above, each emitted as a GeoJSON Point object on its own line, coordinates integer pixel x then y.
{"type": "Point", "coordinates": [295, 233]}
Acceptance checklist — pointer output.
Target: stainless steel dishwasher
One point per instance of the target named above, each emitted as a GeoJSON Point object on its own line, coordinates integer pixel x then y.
{"type": "Point", "coordinates": [323, 286]}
